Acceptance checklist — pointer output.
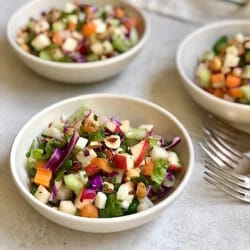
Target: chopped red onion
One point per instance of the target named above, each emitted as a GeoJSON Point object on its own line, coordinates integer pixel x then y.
{"type": "Point", "coordinates": [149, 190]}
{"type": "Point", "coordinates": [176, 140]}
{"type": "Point", "coordinates": [115, 121]}
{"type": "Point", "coordinates": [64, 119]}
{"type": "Point", "coordinates": [87, 113]}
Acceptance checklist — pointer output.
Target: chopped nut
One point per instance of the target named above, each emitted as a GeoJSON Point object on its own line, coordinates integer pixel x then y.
{"type": "Point", "coordinates": [132, 173]}
{"type": "Point", "coordinates": [215, 64]}
{"type": "Point", "coordinates": [141, 190]}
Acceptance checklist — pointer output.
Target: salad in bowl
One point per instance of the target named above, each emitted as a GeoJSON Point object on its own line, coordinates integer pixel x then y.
{"type": "Point", "coordinates": [93, 166]}
{"type": "Point", "coordinates": [79, 33]}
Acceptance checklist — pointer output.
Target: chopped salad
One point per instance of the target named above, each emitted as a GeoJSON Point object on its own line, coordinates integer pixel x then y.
{"type": "Point", "coordinates": [91, 166]}
{"type": "Point", "coordinates": [79, 33]}
{"type": "Point", "coordinates": [225, 70]}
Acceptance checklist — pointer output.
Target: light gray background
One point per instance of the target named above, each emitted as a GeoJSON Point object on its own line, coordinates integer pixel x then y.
{"type": "Point", "coordinates": [201, 218]}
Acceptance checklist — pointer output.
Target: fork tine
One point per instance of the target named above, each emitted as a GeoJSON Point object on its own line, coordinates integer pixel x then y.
{"type": "Point", "coordinates": [224, 150]}
{"type": "Point", "coordinates": [229, 129]}
{"type": "Point", "coordinates": [226, 189]}
{"type": "Point", "coordinates": [229, 147]}
{"type": "Point", "coordinates": [212, 156]}
{"type": "Point", "coordinates": [228, 172]}
{"type": "Point", "coordinates": [229, 184]}
{"type": "Point", "coordinates": [209, 130]}
{"type": "Point", "coordinates": [221, 156]}
{"type": "Point", "coordinates": [227, 176]}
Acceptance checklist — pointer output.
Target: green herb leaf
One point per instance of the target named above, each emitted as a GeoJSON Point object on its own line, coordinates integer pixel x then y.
{"type": "Point", "coordinates": [28, 154]}
{"type": "Point", "coordinates": [160, 171]}
{"type": "Point", "coordinates": [113, 207]}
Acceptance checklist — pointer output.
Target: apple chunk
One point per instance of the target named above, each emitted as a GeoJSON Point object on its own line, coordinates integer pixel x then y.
{"type": "Point", "coordinates": [139, 151]}
{"type": "Point", "coordinates": [124, 161]}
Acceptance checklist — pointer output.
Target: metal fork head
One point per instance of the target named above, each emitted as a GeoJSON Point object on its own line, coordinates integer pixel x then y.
{"type": "Point", "coordinates": [238, 139]}
{"type": "Point", "coordinates": [224, 155]}
{"type": "Point", "coordinates": [233, 184]}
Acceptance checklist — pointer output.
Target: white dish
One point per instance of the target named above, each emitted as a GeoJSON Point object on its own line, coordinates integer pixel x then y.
{"type": "Point", "coordinates": [188, 53]}
{"type": "Point", "coordinates": [111, 105]}
{"type": "Point", "coordinates": [74, 72]}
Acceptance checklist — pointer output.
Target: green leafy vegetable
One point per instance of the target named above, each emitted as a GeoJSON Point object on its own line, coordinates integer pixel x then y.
{"type": "Point", "coordinates": [113, 207]}
{"type": "Point", "coordinates": [97, 136]}
{"type": "Point", "coordinates": [28, 154]}
{"type": "Point", "coordinates": [33, 188]}
{"type": "Point", "coordinates": [65, 167]}
{"type": "Point", "coordinates": [160, 170]}
{"type": "Point", "coordinates": [220, 45]}
{"type": "Point", "coordinates": [133, 207]}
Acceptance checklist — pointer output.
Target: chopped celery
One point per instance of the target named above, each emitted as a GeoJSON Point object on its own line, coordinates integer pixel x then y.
{"type": "Point", "coordinates": [92, 58]}
{"type": "Point", "coordinates": [120, 44]}
{"type": "Point", "coordinates": [137, 134]}
{"type": "Point", "coordinates": [204, 75]}
{"type": "Point", "coordinates": [78, 115]}
{"type": "Point", "coordinates": [58, 26]}
{"type": "Point", "coordinates": [66, 59]}
{"type": "Point", "coordinates": [133, 36]}
{"type": "Point", "coordinates": [220, 44]}
{"type": "Point", "coordinates": [246, 92]}
{"type": "Point", "coordinates": [73, 183]}
{"type": "Point", "coordinates": [44, 54]}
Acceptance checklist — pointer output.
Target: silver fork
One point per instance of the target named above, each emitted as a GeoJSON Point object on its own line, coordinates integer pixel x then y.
{"type": "Point", "coordinates": [224, 155]}
{"type": "Point", "coordinates": [237, 139]}
{"type": "Point", "coordinates": [232, 183]}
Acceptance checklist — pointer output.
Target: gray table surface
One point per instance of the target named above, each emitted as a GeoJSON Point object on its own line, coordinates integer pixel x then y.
{"type": "Point", "coordinates": [201, 218]}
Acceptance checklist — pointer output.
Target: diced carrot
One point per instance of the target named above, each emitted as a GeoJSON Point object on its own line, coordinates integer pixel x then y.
{"type": "Point", "coordinates": [57, 39]}
{"type": "Point", "coordinates": [89, 126]}
{"type": "Point", "coordinates": [148, 169]}
{"type": "Point", "coordinates": [119, 12]}
{"type": "Point", "coordinates": [233, 81]}
{"type": "Point", "coordinates": [217, 78]}
{"type": "Point", "coordinates": [235, 92]}
{"type": "Point", "coordinates": [219, 92]}
{"type": "Point", "coordinates": [71, 26]}
{"type": "Point", "coordinates": [131, 22]}
{"type": "Point", "coordinates": [103, 164]}
{"type": "Point", "coordinates": [89, 211]}
{"type": "Point", "coordinates": [43, 177]}
{"type": "Point", "coordinates": [88, 29]}
{"type": "Point", "coordinates": [40, 164]}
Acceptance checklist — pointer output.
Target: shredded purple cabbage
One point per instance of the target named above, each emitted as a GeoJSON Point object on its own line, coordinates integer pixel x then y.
{"type": "Point", "coordinates": [87, 113]}
{"type": "Point", "coordinates": [176, 140]}
{"type": "Point", "coordinates": [64, 155]}
{"type": "Point", "coordinates": [96, 182]}
{"type": "Point", "coordinates": [170, 176]}
{"type": "Point", "coordinates": [54, 192]}
{"type": "Point", "coordinates": [54, 159]}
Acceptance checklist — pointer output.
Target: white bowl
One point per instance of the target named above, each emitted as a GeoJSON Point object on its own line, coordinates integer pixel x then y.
{"type": "Point", "coordinates": [74, 72]}
{"type": "Point", "coordinates": [137, 111]}
{"type": "Point", "coordinates": [193, 46]}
